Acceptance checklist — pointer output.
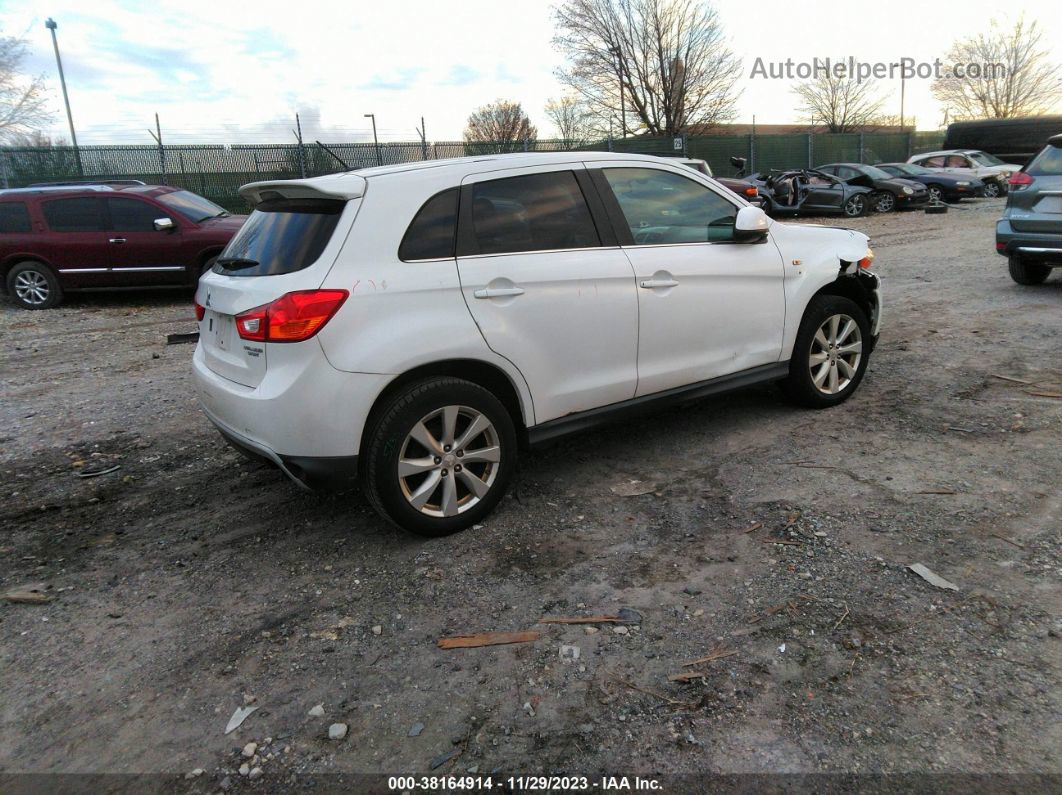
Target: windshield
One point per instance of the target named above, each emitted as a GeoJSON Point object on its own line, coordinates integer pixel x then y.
{"type": "Point", "coordinates": [875, 173]}
{"type": "Point", "coordinates": [191, 205]}
{"type": "Point", "coordinates": [986, 159]}
{"type": "Point", "coordinates": [914, 170]}
{"type": "Point", "coordinates": [281, 236]}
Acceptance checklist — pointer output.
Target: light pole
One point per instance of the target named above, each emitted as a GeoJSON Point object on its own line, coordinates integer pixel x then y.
{"type": "Point", "coordinates": [619, 73]}
{"type": "Point", "coordinates": [376, 143]}
{"type": "Point", "coordinates": [52, 25]}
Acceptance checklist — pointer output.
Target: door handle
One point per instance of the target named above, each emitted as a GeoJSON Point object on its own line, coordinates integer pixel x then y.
{"type": "Point", "coordinates": [649, 284]}
{"type": "Point", "coordinates": [117, 240]}
{"type": "Point", "coordinates": [497, 292]}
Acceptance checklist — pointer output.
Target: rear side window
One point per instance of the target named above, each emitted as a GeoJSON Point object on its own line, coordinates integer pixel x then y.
{"type": "Point", "coordinates": [537, 212]}
{"type": "Point", "coordinates": [431, 233]}
{"type": "Point", "coordinates": [933, 162]}
{"type": "Point", "coordinates": [1046, 164]}
{"type": "Point", "coordinates": [281, 236]}
{"type": "Point", "coordinates": [74, 215]}
{"type": "Point", "coordinates": [957, 161]}
{"type": "Point", "coordinates": [661, 207]}
{"type": "Point", "coordinates": [132, 215]}
{"type": "Point", "coordinates": [14, 218]}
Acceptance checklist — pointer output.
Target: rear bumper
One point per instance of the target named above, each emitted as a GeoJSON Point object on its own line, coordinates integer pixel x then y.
{"type": "Point", "coordinates": [1035, 246]}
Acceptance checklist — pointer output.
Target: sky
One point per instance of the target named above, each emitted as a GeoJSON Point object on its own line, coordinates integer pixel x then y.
{"type": "Point", "coordinates": [228, 72]}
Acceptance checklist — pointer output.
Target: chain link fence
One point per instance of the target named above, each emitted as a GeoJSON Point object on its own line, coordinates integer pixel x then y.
{"type": "Point", "coordinates": [217, 171]}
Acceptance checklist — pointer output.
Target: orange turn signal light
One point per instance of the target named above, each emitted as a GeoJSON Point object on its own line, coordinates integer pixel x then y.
{"type": "Point", "coordinates": [867, 260]}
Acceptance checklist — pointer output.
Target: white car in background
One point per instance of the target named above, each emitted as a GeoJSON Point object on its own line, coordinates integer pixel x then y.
{"type": "Point", "coordinates": [415, 326]}
{"type": "Point", "coordinates": [992, 171]}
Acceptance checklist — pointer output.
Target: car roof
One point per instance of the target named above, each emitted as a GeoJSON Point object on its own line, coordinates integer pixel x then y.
{"type": "Point", "coordinates": [352, 184]}
{"type": "Point", "coordinates": [947, 152]}
{"type": "Point", "coordinates": [87, 188]}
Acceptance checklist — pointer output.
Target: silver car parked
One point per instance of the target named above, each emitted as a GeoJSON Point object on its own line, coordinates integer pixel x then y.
{"type": "Point", "coordinates": [1030, 232]}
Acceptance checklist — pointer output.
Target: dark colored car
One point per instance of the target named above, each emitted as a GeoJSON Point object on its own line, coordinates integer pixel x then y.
{"type": "Point", "coordinates": [810, 192]}
{"type": "Point", "coordinates": [74, 236]}
{"type": "Point", "coordinates": [941, 186]}
{"type": "Point", "coordinates": [890, 193]}
{"type": "Point", "coordinates": [1011, 140]}
{"type": "Point", "coordinates": [1030, 232]}
{"type": "Point", "coordinates": [742, 187]}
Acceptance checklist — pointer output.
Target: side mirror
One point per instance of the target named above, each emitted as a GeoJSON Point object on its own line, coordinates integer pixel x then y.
{"type": "Point", "coordinates": [164, 225]}
{"type": "Point", "coordinates": [751, 225]}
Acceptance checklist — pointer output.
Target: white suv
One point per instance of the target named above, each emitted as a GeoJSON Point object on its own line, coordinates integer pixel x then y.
{"type": "Point", "coordinates": [992, 171]}
{"type": "Point", "coordinates": [414, 326]}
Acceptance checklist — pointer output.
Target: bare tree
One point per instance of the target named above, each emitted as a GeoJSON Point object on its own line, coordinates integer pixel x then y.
{"type": "Point", "coordinates": [841, 104]}
{"type": "Point", "coordinates": [502, 123]}
{"type": "Point", "coordinates": [662, 64]}
{"type": "Point", "coordinates": [571, 118]}
{"type": "Point", "coordinates": [23, 99]}
{"type": "Point", "coordinates": [1014, 76]}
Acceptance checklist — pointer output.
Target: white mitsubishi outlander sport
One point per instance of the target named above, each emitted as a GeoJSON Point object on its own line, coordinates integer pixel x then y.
{"type": "Point", "coordinates": [415, 326]}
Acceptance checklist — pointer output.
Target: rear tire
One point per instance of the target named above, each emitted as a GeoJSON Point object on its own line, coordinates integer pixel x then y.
{"type": "Point", "coordinates": [33, 285]}
{"type": "Point", "coordinates": [423, 471]}
{"type": "Point", "coordinates": [1029, 273]}
{"type": "Point", "coordinates": [830, 355]}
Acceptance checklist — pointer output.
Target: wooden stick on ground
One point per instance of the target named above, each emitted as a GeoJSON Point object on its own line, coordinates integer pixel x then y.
{"type": "Point", "coordinates": [579, 620]}
{"type": "Point", "coordinates": [486, 639]}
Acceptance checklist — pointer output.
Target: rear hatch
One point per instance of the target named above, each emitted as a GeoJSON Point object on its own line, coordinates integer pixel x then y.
{"type": "Point", "coordinates": [287, 244]}
{"type": "Point", "coordinates": [1037, 207]}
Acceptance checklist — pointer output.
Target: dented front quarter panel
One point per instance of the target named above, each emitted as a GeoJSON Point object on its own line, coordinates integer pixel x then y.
{"type": "Point", "coordinates": [813, 257]}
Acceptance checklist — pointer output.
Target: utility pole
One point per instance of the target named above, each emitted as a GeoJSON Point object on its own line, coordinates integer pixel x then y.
{"type": "Point", "coordinates": [297, 132]}
{"type": "Point", "coordinates": [376, 142]}
{"type": "Point", "coordinates": [157, 135]}
{"type": "Point", "coordinates": [423, 140]}
{"type": "Point", "coordinates": [51, 24]}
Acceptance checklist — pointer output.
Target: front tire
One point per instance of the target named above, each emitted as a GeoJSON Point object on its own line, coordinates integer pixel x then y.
{"type": "Point", "coordinates": [440, 456]}
{"type": "Point", "coordinates": [992, 189]}
{"type": "Point", "coordinates": [884, 202]}
{"type": "Point", "coordinates": [33, 285]}
{"type": "Point", "coordinates": [855, 206]}
{"type": "Point", "coordinates": [1028, 273]}
{"type": "Point", "coordinates": [831, 353]}
{"type": "Point", "coordinates": [936, 194]}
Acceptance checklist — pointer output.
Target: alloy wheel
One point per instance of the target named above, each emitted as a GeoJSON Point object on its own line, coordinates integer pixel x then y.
{"type": "Point", "coordinates": [836, 351]}
{"type": "Point", "coordinates": [935, 194]}
{"type": "Point", "coordinates": [886, 201]}
{"type": "Point", "coordinates": [32, 288]}
{"type": "Point", "coordinates": [449, 461]}
{"type": "Point", "coordinates": [991, 190]}
{"type": "Point", "coordinates": [854, 206]}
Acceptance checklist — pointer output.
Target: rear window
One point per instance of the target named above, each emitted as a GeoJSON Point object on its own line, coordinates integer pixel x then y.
{"type": "Point", "coordinates": [281, 236]}
{"type": "Point", "coordinates": [74, 215]}
{"type": "Point", "coordinates": [1046, 164]}
{"type": "Point", "coordinates": [14, 218]}
{"type": "Point", "coordinates": [431, 234]}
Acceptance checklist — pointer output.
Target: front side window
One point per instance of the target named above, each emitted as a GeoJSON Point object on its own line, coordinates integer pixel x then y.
{"type": "Point", "coordinates": [536, 212]}
{"type": "Point", "coordinates": [661, 207]}
{"type": "Point", "coordinates": [191, 205]}
{"type": "Point", "coordinates": [933, 162]}
{"type": "Point", "coordinates": [74, 215]}
{"type": "Point", "coordinates": [281, 236]}
{"type": "Point", "coordinates": [133, 215]}
{"type": "Point", "coordinates": [431, 233]}
{"type": "Point", "coordinates": [14, 218]}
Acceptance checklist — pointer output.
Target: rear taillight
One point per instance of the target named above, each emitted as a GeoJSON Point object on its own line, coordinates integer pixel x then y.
{"type": "Point", "coordinates": [1019, 180]}
{"type": "Point", "coordinates": [199, 311]}
{"type": "Point", "coordinates": [752, 191]}
{"type": "Point", "coordinates": [293, 317]}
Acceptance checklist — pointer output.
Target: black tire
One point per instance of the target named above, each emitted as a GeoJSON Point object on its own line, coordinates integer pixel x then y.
{"type": "Point", "coordinates": [992, 189]}
{"type": "Point", "coordinates": [33, 285]}
{"type": "Point", "coordinates": [799, 385]}
{"type": "Point", "coordinates": [389, 435]}
{"type": "Point", "coordinates": [855, 206]}
{"type": "Point", "coordinates": [208, 264]}
{"type": "Point", "coordinates": [1024, 272]}
{"type": "Point", "coordinates": [883, 202]}
{"type": "Point", "coordinates": [936, 193]}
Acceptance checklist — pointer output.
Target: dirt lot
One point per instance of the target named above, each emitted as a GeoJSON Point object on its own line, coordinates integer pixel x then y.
{"type": "Point", "coordinates": [190, 582]}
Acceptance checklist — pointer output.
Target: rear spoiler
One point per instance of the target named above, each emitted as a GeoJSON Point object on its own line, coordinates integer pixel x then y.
{"type": "Point", "coordinates": [338, 186]}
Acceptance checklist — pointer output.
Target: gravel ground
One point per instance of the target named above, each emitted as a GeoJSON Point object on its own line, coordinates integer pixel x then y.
{"type": "Point", "coordinates": [190, 582]}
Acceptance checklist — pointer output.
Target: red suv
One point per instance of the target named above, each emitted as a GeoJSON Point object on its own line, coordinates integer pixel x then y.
{"type": "Point", "coordinates": [72, 236]}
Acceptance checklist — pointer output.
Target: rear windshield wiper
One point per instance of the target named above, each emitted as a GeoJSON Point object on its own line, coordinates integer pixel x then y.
{"type": "Point", "coordinates": [237, 263]}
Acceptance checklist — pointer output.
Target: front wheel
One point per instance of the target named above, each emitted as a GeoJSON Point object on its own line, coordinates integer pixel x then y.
{"type": "Point", "coordinates": [440, 456]}
{"type": "Point", "coordinates": [33, 285]}
{"type": "Point", "coordinates": [1027, 272]}
{"type": "Point", "coordinates": [884, 202]}
{"type": "Point", "coordinates": [855, 206]}
{"type": "Point", "coordinates": [936, 194]}
{"type": "Point", "coordinates": [831, 353]}
{"type": "Point", "coordinates": [992, 189]}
